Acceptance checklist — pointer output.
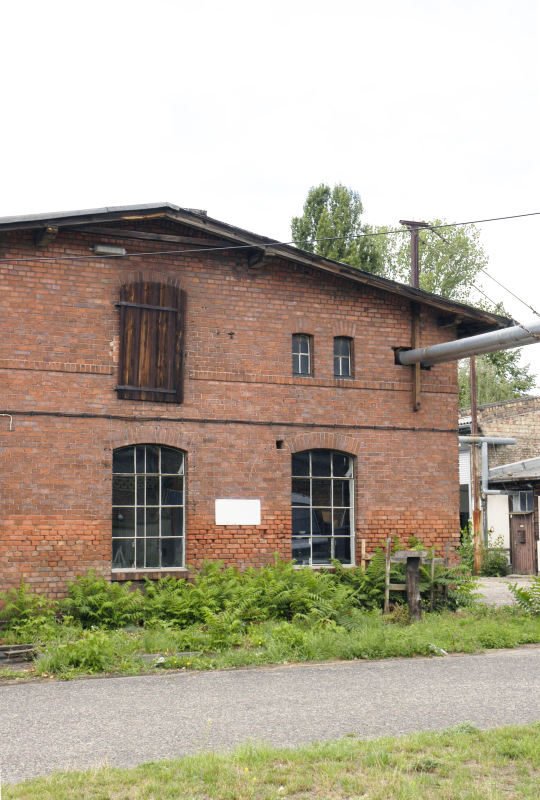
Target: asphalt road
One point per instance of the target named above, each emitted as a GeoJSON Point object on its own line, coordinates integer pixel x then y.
{"type": "Point", "coordinates": [126, 721]}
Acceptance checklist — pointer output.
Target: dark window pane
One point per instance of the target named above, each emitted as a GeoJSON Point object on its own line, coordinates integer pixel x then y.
{"type": "Point", "coordinates": [139, 458]}
{"type": "Point", "coordinates": [123, 460]}
{"type": "Point", "coordinates": [140, 490]}
{"type": "Point", "coordinates": [301, 550]}
{"type": "Point", "coordinates": [342, 465]}
{"type": "Point", "coordinates": [172, 521]}
{"type": "Point", "coordinates": [337, 365]}
{"type": "Point", "coordinates": [123, 490]}
{"type": "Point", "coordinates": [140, 522]}
{"type": "Point", "coordinates": [322, 552]}
{"type": "Point", "coordinates": [342, 550]}
{"type": "Point", "coordinates": [322, 521]}
{"type": "Point", "coordinates": [123, 554]}
{"type": "Point", "coordinates": [152, 521]}
{"type": "Point", "coordinates": [152, 459]}
{"type": "Point", "coordinates": [172, 491]}
{"type": "Point", "coordinates": [320, 463]}
{"type": "Point", "coordinates": [322, 492]}
{"type": "Point", "coordinates": [295, 343]}
{"type": "Point", "coordinates": [342, 522]}
{"type": "Point", "coordinates": [304, 365]}
{"type": "Point", "coordinates": [172, 461]}
{"type": "Point", "coordinates": [337, 346]}
{"type": "Point", "coordinates": [171, 552]}
{"type": "Point", "coordinates": [300, 491]}
{"type": "Point", "coordinates": [139, 544]}
{"type": "Point", "coordinates": [123, 522]}
{"type": "Point", "coordinates": [152, 490]}
{"type": "Point", "coordinates": [346, 367]}
{"type": "Point", "coordinates": [296, 364]}
{"type": "Point", "coordinates": [300, 464]}
{"type": "Point", "coordinates": [301, 521]}
{"type": "Point", "coordinates": [152, 553]}
{"type": "Point", "coordinates": [304, 344]}
{"type": "Point", "coordinates": [342, 493]}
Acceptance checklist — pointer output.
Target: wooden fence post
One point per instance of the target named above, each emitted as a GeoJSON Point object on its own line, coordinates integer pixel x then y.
{"type": "Point", "coordinates": [414, 600]}
{"type": "Point", "coordinates": [432, 581]}
{"type": "Point", "coordinates": [387, 576]}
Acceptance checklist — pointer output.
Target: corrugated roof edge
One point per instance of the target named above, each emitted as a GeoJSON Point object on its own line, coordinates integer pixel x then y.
{"type": "Point", "coordinates": [487, 320]}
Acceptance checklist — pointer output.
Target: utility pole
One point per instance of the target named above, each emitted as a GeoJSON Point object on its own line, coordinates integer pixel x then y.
{"type": "Point", "coordinates": [415, 308]}
{"type": "Point", "coordinates": [476, 513]}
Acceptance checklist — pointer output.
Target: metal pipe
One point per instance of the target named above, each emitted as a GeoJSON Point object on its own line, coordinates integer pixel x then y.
{"type": "Point", "coordinates": [485, 471]}
{"type": "Point", "coordinates": [486, 439]}
{"type": "Point", "coordinates": [515, 336]}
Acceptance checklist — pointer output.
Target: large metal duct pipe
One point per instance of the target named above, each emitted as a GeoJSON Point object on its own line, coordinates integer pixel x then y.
{"type": "Point", "coordinates": [484, 441]}
{"type": "Point", "coordinates": [516, 336]}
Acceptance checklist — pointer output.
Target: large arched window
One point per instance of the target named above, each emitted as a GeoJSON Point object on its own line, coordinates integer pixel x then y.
{"type": "Point", "coordinates": [322, 507]}
{"type": "Point", "coordinates": [148, 507]}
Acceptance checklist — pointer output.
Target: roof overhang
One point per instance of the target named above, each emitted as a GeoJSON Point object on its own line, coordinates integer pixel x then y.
{"type": "Point", "coordinates": [467, 319]}
{"type": "Point", "coordinates": [528, 469]}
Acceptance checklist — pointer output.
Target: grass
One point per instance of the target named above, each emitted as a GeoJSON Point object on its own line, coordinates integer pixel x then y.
{"type": "Point", "coordinates": [460, 763]}
{"type": "Point", "coordinates": [68, 651]}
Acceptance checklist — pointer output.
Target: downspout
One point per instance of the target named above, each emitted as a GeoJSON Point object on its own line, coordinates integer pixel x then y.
{"type": "Point", "coordinates": [484, 441]}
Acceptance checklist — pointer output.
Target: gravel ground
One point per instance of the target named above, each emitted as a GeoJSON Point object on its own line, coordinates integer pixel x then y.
{"type": "Point", "coordinates": [495, 590]}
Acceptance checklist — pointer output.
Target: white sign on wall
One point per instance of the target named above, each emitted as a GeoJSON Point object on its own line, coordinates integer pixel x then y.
{"type": "Point", "coordinates": [238, 512]}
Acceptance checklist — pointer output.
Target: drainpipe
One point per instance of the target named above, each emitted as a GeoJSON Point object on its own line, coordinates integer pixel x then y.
{"type": "Point", "coordinates": [484, 441]}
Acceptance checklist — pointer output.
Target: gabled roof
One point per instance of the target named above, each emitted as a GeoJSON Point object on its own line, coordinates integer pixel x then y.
{"type": "Point", "coordinates": [469, 320]}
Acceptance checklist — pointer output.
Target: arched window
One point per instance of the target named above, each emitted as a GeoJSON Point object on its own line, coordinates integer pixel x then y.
{"type": "Point", "coordinates": [148, 501]}
{"type": "Point", "coordinates": [322, 507]}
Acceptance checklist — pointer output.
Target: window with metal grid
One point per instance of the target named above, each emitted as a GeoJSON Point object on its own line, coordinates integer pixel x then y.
{"type": "Point", "coordinates": [322, 507]}
{"type": "Point", "coordinates": [148, 500]}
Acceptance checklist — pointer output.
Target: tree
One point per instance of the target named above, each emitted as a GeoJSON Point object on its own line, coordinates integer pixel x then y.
{"type": "Point", "coordinates": [336, 212]}
{"type": "Point", "coordinates": [498, 377]}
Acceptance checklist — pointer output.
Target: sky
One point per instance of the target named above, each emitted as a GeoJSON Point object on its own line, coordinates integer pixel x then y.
{"type": "Point", "coordinates": [428, 108]}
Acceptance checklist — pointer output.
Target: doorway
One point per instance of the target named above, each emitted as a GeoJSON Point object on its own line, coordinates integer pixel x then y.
{"type": "Point", "coordinates": [523, 549]}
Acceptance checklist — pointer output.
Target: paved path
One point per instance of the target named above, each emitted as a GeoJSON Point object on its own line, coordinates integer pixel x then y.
{"type": "Point", "coordinates": [495, 590]}
{"type": "Point", "coordinates": [126, 721]}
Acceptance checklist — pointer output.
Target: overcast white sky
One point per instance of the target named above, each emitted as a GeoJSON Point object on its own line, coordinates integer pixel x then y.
{"type": "Point", "coordinates": [428, 108]}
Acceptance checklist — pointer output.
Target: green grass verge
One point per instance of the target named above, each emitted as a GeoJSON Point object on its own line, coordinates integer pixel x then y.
{"type": "Point", "coordinates": [460, 763]}
{"type": "Point", "coordinates": [70, 652]}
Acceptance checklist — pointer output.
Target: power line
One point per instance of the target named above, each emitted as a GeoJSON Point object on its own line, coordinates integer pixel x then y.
{"type": "Point", "coordinates": [485, 272]}
{"type": "Point", "coordinates": [263, 245]}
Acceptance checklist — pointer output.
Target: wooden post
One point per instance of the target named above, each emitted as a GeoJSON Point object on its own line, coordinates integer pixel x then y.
{"type": "Point", "coordinates": [432, 583]}
{"type": "Point", "coordinates": [387, 576]}
{"type": "Point", "coordinates": [363, 554]}
{"type": "Point", "coordinates": [446, 564]}
{"type": "Point", "coordinates": [413, 590]}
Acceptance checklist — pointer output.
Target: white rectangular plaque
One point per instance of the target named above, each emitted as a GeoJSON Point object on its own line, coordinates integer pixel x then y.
{"type": "Point", "coordinates": [238, 512]}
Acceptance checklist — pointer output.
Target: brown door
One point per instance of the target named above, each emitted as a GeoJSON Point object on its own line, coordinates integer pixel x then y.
{"type": "Point", "coordinates": [522, 543]}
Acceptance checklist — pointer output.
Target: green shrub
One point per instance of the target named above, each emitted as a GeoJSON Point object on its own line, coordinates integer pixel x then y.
{"type": "Point", "coordinates": [527, 598]}
{"type": "Point", "coordinates": [94, 601]}
{"type": "Point", "coordinates": [494, 560]}
{"type": "Point", "coordinates": [23, 609]}
{"type": "Point", "coordinates": [466, 549]}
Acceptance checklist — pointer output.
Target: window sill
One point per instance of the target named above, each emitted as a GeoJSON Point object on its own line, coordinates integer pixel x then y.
{"type": "Point", "coordinates": [150, 574]}
{"type": "Point", "coordinates": [323, 566]}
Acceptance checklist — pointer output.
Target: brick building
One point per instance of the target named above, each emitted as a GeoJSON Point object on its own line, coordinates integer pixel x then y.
{"type": "Point", "coordinates": [512, 468]}
{"type": "Point", "coordinates": [191, 378]}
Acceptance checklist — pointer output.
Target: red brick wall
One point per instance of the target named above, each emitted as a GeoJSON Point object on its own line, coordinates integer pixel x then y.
{"type": "Point", "coordinates": [59, 331]}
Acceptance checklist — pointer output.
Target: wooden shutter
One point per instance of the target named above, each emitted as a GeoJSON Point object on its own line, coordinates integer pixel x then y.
{"type": "Point", "coordinates": [151, 342]}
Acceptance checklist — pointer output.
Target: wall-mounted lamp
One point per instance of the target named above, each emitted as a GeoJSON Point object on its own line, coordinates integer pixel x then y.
{"type": "Point", "coordinates": [108, 250]}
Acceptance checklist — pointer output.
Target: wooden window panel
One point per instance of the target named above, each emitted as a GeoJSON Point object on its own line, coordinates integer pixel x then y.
{"type": "Point", "coordinates": [152, 342]}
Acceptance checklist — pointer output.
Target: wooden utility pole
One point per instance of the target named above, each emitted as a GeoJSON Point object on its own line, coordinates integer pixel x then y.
{"type": "Point", "coordinates": [476, 512]}
{"type": "Point", "coordinates": [415, 308]}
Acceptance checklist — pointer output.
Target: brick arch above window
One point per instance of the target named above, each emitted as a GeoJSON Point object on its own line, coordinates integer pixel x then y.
{"type": "Point", "coordinates": [151, 434]}
{"type": "Point", "coordinates": [150, 276]}
{"type": "Point", "coordinates": [324, 441]}
{"type": "Point", "coordinates": [303, 325]}
{"type": "Point", "coordinates": [344, 328]}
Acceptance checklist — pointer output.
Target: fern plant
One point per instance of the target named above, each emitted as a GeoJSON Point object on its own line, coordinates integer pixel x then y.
{"type": "Point", "coordinates": [527, 598]}
{"type": "Point", "coordinates": [94, 601]}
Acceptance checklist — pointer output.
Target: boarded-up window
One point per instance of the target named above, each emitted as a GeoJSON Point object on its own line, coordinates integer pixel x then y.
{"type": "Point", "coordinates": [151, 342]}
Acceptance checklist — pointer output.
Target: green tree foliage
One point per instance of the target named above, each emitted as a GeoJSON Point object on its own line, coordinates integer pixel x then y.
{"type": "Point", "coordinates": [332, 213]}
{"type": "Point", "coordinates": [498, 377]}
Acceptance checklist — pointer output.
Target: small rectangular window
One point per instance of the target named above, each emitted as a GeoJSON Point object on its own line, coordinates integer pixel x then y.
{"type": "Point", "coordinates": [342, 357]}
{"type": "Point", "coordinates": [301, 354]}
